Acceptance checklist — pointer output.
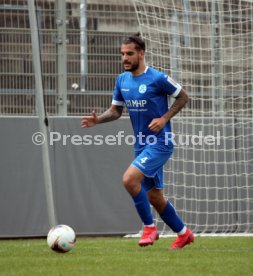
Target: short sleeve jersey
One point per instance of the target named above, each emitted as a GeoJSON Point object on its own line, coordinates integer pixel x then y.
{"type": "Point", "coordinates": [146, 98]}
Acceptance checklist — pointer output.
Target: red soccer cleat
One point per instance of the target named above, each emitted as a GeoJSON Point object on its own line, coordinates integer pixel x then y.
{"type": "Point", "coordinates": [149, 235]}
{"type": "Point", "coordinates": [182, 240]}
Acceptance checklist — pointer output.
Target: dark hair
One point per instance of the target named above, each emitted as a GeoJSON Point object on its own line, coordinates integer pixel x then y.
{"type": "Point", "coordinates": [137, 40]}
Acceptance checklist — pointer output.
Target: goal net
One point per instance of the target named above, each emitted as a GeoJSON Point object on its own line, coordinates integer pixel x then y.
{"type": "Point", "coordinates": [207, 46]}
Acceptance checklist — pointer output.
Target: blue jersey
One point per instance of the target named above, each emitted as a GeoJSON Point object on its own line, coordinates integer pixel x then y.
{"type": "Point", "coordinates": [145, 97]}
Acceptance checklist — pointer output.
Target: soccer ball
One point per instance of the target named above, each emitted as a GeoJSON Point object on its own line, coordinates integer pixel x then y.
{"type": "Point", "coordinates": [61, 238]}
{"type": "Point", "coordinates": [75, 86]}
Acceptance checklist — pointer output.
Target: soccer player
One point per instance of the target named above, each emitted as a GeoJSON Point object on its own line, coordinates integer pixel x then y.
{"type": "Point", "coordinates": [144, 91]}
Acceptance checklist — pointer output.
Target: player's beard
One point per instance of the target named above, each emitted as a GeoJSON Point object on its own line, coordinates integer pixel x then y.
{"type": "Point", "coordinates": [134, 66]}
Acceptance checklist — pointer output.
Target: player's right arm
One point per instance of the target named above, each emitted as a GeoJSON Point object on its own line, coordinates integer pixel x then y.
{"type": "Point", "coordinates": [111, 114]}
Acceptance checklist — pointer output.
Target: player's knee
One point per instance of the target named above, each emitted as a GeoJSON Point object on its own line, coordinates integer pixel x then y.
{"type": "Point", "coordinates": [129, 182]}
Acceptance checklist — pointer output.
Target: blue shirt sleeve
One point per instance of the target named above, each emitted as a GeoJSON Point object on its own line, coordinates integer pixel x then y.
{"type": "Point", "coordinates": [169, 86]}
{"type": "Point", "coordinates": [117, 98]}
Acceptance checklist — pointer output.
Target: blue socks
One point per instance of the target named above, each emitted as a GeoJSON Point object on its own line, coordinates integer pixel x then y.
{"type": "Point", "coordinates": [142, 206]}
{"type": "Point", "coordinates": [171, 218]}
{"type": "Point", "coordinates": [169, 215]}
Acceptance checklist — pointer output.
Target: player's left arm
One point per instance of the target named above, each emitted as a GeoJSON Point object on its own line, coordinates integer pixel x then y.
{"type": "Point", "coordinates": [180, 101]}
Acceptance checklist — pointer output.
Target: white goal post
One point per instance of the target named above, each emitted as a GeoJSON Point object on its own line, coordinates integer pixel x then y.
{"type": "Point", "coordinates": [207, 46]}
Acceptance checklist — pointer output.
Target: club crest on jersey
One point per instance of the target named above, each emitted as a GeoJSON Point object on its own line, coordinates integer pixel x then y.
{"type": "Point", "coordinates": [142, 88]}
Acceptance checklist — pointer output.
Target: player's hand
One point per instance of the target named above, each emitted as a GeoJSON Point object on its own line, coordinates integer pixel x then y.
{"type": "Point", "coordinates": [89, 121]}
{"type": "Point", "coordinates": [157, 124]}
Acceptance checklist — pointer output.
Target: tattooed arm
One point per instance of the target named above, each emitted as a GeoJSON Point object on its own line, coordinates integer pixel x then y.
{"type": "Point", "coordinates": [111, 114]}
{"type": "Point", "coordinates": [181, 100]}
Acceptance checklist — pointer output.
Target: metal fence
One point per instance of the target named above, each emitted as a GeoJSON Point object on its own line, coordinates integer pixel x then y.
{"type": "Point", "coordinates": [88, 35]}
{"type": "Point", "coordinates": [87, 88]}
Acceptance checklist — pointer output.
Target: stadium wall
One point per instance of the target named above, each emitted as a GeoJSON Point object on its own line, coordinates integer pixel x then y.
{"type": "Point", "coordinates": [87, 185]}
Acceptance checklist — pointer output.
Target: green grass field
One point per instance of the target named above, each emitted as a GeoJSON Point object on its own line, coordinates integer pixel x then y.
{"type": "Point", "coordinates": [121, 256]}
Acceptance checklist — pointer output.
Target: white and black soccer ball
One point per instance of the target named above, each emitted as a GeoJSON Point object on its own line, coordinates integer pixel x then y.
{"type": "Point", "coordinates": [61, 238]}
